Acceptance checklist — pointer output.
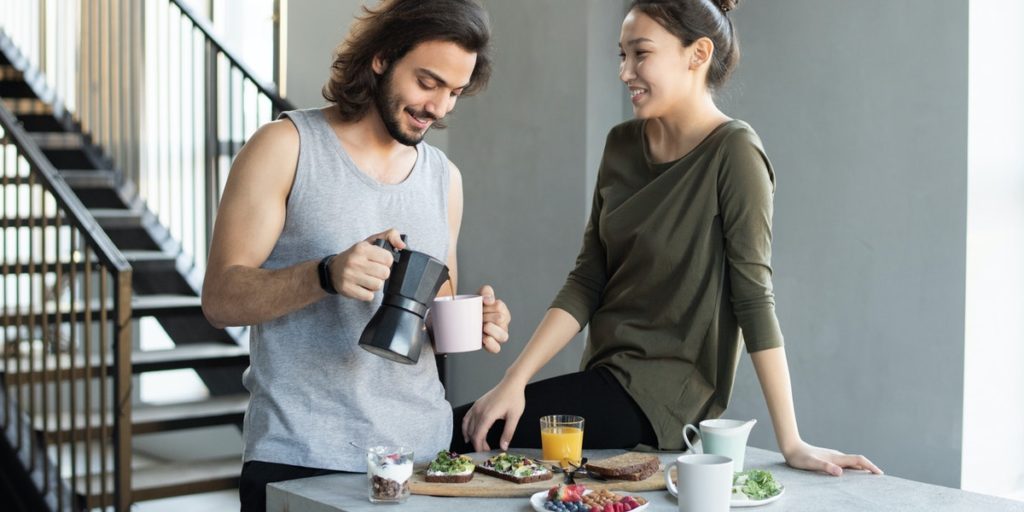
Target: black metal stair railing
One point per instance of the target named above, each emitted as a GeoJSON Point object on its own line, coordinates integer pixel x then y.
{"type": "Point", "coordinates": [66, 303]}
{"type": "Point", "coordinates": [151, 83]}
{"type": "Point", "coordinates": [162, 107]}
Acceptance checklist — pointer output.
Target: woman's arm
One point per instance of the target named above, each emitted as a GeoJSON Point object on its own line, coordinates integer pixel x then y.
{"type": "Point", "coordinates": [773, 374]}
{"type": "Point", "coordinates": [506, 400]}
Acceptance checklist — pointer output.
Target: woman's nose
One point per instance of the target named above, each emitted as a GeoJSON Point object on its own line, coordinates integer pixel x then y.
{"type": "Point", "coordinates": [626, 72]}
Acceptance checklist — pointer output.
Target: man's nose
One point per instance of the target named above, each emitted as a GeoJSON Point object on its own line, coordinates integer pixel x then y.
{"type": "Point", "coordinates": [439, 105]}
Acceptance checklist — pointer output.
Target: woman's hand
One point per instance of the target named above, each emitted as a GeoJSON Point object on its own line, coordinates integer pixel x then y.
{"type": "Point", "coordinates": [505, 401]}
{"type": "Point", "coordinates": [813, 458]}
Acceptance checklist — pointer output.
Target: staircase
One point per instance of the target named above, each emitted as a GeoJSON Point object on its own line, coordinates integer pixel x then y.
{"type": "Point", "coordinates": [109, 196]}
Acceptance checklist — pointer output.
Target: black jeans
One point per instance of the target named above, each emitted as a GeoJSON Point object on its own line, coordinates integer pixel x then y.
{"type": "Point", "coordinates": [252, 487]}
{"type": "Point", "coordinates": [612, 418]}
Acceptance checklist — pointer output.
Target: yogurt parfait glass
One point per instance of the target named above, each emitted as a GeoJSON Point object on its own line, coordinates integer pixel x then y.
{"type": "Point", "coordinates": [388, 469]}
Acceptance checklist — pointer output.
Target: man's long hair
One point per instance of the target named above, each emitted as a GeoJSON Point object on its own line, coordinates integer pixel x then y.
{"type": "Point", "coordinates": [393, 29]}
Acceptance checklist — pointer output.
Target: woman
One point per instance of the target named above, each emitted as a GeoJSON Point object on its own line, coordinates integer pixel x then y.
{"type": "Point", "coordinates": [675, 263]}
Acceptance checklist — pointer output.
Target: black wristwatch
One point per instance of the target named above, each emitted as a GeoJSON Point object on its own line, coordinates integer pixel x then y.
{"type": "Point", "coordinates": [324, 271]}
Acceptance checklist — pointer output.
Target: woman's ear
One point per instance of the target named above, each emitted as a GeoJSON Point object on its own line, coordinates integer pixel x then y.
{"type": "Point", "coordinates": [703, 50]}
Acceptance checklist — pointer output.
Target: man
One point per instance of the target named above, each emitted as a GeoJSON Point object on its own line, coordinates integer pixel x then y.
{"type": "Point", "coordinates": [335, 178]}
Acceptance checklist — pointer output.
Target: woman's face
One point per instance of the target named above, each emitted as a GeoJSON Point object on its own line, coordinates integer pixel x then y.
{"type": "Point", "coordinates": [655, 66]}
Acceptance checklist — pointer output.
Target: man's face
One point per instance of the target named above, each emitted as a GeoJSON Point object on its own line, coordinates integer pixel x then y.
{"type": "Point", "coordinates": [421, 88]}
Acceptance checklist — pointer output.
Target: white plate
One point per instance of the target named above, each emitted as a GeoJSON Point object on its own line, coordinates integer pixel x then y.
{"type": "Point", "coordinates": [538, 500]}
{"type": "Point", "coordinates": [743, 502]}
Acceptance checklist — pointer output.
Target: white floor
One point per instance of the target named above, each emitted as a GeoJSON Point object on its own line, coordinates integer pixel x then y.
{"type": "Point", "coordinates": [220, 501]}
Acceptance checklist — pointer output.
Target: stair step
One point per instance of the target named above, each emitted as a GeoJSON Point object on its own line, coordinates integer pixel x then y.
{"type": "Point", "coordinates": [151, 261]}
{"type": "Point", "coordinates": [42, 367]}
{"type": "Point", "coordinates": [58, 141]}
{"type": "Point", "coordinates": [166, 305]}
{"type": "Point", "coordinates": [117, 218]}
{"type": "Point", "coordinates": [27, 106]}
{"type": "Point", "coordinates": [16, 89]}
{"type": "Point", "coordinates": [24, 222]}
{"type": "Point", "coordinates": [44, 122]}
{"type": "Point", "coordinates": [148, 419]}
{"type": "Point", "coordinates": [142, 305]}
{"type": "Point", "coordinates": [89, 178]}
{"type": "Point", "coordinates": [167, 480]}
{"type": "Point", "coordinates": [193, 355]}
{"type": "Point", "coordinates": [11, 73]}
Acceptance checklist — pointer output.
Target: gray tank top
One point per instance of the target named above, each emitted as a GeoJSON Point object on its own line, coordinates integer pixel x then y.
{"type": "Point", "coordinates": [313, 389]}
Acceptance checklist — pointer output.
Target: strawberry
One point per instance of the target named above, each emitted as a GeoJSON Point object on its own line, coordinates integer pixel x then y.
{"type": "Point", "coordinates": [553, 493]}
{"type": "Point", "coordinates": [566, 493]}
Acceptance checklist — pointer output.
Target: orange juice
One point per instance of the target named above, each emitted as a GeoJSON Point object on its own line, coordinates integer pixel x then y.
{"type": "Point", "coordinates": [562, 443]}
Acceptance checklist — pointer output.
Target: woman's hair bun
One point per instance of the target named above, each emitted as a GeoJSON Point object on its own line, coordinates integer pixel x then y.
{"type": "Point", "coordinates": [728, 5]}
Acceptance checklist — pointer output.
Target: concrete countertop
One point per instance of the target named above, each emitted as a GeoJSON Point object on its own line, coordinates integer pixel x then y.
{"type": "Point", "coordinates": [805, 491]}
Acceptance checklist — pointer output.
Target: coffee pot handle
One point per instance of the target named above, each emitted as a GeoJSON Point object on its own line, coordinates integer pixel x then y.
{"type": "Point", "coordinates": [383, 243]}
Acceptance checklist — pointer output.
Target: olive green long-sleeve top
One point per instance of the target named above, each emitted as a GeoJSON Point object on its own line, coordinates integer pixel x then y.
{"type": "Point", "coordinates": [676, 259]}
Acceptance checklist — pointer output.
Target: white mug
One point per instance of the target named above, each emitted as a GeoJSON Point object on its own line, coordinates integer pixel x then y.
{"type": "Point", "coordinates": [705, 483]}
{"type": "Point", "coordinates": [458, 323]}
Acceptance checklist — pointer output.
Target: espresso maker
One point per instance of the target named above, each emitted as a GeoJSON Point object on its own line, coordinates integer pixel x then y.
{"type": "Point", "coordinates": [397, 330]}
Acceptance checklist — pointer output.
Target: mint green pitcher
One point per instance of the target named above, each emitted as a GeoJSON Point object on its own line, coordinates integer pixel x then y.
{"type": "Point", "coordinates": [722, 437]}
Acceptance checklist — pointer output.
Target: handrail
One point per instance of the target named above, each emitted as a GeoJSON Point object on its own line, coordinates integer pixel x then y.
{"type": "Point", "coordinates": [53, 311]}
{"type": "Point", "coordinates": [105, 249]}
{"type": "Point", "coordinates": [151, 86]}
{"type": "Point", "coordinates": [268, 90]}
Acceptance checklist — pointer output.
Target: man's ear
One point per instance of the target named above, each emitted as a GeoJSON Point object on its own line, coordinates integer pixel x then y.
{"type": "Point", "coordinates": [379, 64]}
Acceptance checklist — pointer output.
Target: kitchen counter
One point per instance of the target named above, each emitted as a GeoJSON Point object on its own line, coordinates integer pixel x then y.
{"type": "Point", "coordinates": [805, 491]}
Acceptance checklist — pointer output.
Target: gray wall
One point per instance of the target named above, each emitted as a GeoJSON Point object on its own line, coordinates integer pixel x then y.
{"type": "Point", "coordinates": [862, 107]}
{"type": "Point", "coordinates": [528, 149]}
{"type": "Point", "coordinates": [314, 29]}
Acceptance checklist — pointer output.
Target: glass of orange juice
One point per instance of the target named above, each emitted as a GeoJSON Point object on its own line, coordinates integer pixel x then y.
{"type": "Point", "coordinates": [561, 438]}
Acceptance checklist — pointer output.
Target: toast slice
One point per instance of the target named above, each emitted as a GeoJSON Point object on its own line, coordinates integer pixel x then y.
{"type": "Point", "coordinates": [515, 468]}
{"type": "Point", "coordinates": [627, 466]}
{"type": "Point", "coordinates": [450, 468]}
{"type": "Point", "coordinates": [460, 478]}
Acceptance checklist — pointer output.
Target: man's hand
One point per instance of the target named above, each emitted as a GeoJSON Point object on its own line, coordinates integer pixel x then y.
{"type": "Point", "coordinates": [361, 270]}
{"type": "Point", "coordinates": [496, 320]}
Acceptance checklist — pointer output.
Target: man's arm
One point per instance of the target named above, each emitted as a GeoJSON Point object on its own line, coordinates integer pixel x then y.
{"type": "Point", "coordinates": [249, 221]}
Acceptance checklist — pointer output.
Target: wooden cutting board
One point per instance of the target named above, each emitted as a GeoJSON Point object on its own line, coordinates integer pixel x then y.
{"type": "Point", "coordinates": [484, 486]}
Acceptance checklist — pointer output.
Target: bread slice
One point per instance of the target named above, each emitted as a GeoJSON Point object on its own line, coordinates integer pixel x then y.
{"type": "Point", "coordinates": [510, 463]}
{"type": "Point", "coordinates": [516, 479]}
{"type": "Point", "coordinates": [450, 468]}
{"type": "Point", "coordinates": [628, 466]}
{"type": "Point", "coordinates": [458, 478]}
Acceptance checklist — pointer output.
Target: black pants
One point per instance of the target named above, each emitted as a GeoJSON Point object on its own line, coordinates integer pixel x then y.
{"type": "Point", "coordinates": [612, 418]}
{"type": "Point", "coordinates": [252, 487]}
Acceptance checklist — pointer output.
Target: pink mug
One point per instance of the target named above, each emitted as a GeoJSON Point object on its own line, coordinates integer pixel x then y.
{"type": "Point", "coordinates": [457, 323]}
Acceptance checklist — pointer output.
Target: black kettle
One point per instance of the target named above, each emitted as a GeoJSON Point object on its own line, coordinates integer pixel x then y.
{"type": "Point", "coordinates": [398, 330]}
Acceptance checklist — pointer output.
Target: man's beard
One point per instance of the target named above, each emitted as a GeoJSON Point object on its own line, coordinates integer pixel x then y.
{"type": "Point", "coordinates": [388, 107]}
